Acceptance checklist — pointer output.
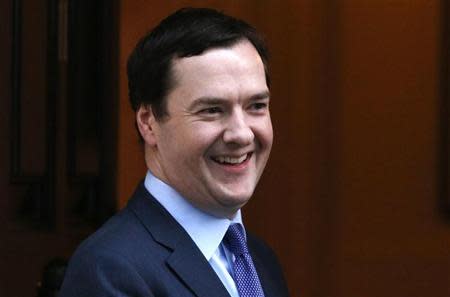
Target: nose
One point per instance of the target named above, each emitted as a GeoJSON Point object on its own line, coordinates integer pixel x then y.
{"type": "Point", "coordinates": [238, 130]}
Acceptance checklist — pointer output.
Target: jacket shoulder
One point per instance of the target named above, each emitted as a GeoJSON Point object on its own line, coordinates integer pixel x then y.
{"type": "Point", "coordinates": [268, 267]}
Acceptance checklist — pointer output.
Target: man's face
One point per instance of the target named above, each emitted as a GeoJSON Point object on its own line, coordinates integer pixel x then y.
{"type": "Point", "coordinates": [214, 144]}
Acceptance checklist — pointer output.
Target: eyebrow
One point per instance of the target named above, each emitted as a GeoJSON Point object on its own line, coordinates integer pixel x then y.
{"type": "Point", "coordinates": [218, 100]}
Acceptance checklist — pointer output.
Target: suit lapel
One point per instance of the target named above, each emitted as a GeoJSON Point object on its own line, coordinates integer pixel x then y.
{"type": "Point", "coordinates": [192, 267]}
{"type": "Point", "coordinates": [186, 260]}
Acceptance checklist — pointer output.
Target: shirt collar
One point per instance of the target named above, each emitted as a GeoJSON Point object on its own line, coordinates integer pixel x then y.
{"type": "Point", "coordinates": [206, 231]}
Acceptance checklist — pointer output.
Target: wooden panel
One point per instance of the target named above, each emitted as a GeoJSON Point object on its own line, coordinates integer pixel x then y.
{"type": "Point", "coordinates": [33, 231]}
{"type": "Point", "coordinates": [33, 95]}
{"type": "Point", "coordinates": [32, 128]}
{"type": "Point", "coordinates": [392, 241]}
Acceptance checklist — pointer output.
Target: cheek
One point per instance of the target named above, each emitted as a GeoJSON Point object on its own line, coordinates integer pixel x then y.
{"type": "Point", "coordinates": [189, 148]}
{"type": "Point", "coordinates": [202, 135]}
{"type": "Point", "coordinates": [264, 133]}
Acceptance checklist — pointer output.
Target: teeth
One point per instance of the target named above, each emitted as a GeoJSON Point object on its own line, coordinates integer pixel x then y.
{"type": "Point", "coordinates": [231, 160]}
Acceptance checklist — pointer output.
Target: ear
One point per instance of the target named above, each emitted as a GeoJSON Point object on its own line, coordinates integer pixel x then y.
{"type": "Point", "coordinates": [146, 124]}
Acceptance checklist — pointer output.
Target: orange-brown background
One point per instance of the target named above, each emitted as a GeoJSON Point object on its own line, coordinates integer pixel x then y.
{"type": "Point", "coordinates": [349, 199]}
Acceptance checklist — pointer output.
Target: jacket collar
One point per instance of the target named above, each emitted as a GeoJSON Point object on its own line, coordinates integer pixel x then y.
{"type": "Point", "coordinates": [186, 260]}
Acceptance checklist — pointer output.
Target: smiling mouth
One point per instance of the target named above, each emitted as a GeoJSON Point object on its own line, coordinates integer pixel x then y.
{"type": "Point", "coordinates": [228, 160]}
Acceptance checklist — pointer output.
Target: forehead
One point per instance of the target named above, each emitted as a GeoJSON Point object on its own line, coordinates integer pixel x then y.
{"type": "Point", "coordinates": [234, 71]}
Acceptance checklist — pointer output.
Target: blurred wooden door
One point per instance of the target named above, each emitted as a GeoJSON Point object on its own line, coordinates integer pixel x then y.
{"type": "Point", "coordinates": [56, 132]}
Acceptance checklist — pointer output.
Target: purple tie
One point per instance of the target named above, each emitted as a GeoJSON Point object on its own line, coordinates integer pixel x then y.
{"type": "Point", "coordinates": [245, 275]}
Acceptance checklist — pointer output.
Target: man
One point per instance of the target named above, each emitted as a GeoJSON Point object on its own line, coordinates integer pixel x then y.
{"type": "Point", "coordinates": [199, 85]}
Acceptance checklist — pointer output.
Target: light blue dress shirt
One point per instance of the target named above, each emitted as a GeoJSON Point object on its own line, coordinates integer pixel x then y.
{"type": "Point", "coordinates": [206, 231]}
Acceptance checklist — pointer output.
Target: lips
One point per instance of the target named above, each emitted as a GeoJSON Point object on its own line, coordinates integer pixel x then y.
{"type": "Point", "coordinates": [231, 160]}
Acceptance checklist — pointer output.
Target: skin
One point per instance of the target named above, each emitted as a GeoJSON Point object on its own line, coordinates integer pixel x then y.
{"type": "Point", "coordinates": [214, 144]}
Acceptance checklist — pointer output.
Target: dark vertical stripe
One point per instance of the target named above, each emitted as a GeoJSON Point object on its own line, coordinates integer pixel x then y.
{"type": "Point", "coordinates": [443, 166]}
{"type": "Point", "coordinates": [16, 53]}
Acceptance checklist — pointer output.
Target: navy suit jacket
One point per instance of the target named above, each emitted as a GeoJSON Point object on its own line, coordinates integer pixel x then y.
{"type": "Point", "coordinates": [143, 251]}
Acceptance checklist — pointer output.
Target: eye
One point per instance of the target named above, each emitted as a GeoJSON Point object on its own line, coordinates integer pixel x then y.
{"type": "Point", "coordinates": [259, 106]}
{"type": "Point", "coordinates": [211, 110]}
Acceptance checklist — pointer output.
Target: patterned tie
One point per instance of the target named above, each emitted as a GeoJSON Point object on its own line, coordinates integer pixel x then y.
{"type": "Point", "coordinates": [245, 276]}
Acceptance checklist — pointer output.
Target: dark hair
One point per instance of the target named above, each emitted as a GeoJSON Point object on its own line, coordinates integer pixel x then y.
{"type": "Point", "coordinates": [187, 32]}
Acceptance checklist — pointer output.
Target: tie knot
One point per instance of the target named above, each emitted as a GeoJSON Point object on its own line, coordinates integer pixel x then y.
{"type": "Point", "coordinates": [235, 240]}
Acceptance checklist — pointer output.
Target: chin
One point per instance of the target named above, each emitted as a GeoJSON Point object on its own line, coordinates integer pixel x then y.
{"type": "Point", "coordinates": [236, 200]}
